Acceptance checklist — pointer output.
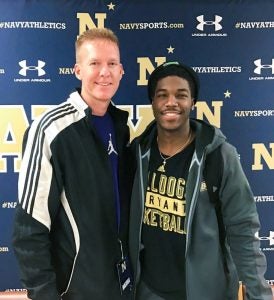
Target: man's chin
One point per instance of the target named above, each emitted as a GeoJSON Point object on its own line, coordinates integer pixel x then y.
{"type": "Point", "coordinates": [170, 127]}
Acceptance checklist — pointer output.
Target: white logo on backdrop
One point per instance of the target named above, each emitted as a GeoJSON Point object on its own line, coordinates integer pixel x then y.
{"type": "Point", "coordinates": [269, 238]}
{"type": "Point", "coordinates": [216, 23]}
{"type": "Point", "coordinates": [260, 66]}
{"type": "Point", "coordinates": [38, 68]}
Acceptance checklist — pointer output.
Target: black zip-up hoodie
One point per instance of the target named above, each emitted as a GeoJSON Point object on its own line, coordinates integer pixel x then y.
{"type": "Point", "coordinates": [65, 232]}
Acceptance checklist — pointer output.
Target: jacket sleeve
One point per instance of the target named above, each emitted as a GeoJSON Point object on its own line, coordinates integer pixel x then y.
{"type": "Point", "coordinates": [37, 192]}
{"type": "Point", "coordinates": [242, 223]}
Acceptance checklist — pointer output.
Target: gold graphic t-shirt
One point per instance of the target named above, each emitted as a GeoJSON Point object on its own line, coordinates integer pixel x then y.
{"type": "Point", "coordinates": [163, 232]}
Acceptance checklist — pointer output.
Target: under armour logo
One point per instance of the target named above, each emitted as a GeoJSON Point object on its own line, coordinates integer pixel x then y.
{"type": "Point", "coordinates": [110, 146]}
{"type": "Point", "coordinates": [259, 66]}
{"type": "Point", "coordinates": [216, 23]}
{"type": "Point", "coordinates": [38, 68]}
{"type": "Point", "coordinates": [269, 238]}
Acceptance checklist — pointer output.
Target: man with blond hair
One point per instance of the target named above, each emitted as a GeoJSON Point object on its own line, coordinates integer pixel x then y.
{"type": "Point", "coordinates": [70, 228]}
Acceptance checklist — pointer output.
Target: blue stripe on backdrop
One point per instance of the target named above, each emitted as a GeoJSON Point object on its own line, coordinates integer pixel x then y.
{"type": "Point", "coordinates": [230, 44]}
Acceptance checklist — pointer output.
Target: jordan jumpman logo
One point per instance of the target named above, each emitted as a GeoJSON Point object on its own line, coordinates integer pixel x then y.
{"type": "Point", "coordinates": [110, 146]}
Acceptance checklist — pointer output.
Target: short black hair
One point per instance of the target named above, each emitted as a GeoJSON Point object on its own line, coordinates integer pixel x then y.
{"type": "Point", "coordinates": [174, 68]}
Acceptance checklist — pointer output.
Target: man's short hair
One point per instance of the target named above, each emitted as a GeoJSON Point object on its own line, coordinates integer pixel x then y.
{"type": "Point", "coordinates": [174, 69]}
{"type": "Point", "coordinates": [93, 34]}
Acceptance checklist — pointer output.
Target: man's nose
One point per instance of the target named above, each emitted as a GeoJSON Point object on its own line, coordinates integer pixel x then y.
{"type": "Point", "coordinates": [171, 100]}
{"type": "Point", "coordinates": [104, 71]}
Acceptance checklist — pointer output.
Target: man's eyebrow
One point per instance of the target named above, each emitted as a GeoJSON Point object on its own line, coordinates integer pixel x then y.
{"type": "Point", "coordinates": [178, 90]}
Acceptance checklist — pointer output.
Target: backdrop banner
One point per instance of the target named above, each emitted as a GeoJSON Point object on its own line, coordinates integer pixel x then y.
{"type": "Point", "coordinates": [229, 43]}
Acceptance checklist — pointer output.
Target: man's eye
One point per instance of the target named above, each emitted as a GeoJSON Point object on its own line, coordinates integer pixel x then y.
{"type": "Point", "coordinates": [161, 95]}
{"type": "Point", "coordinates": [181, 96]}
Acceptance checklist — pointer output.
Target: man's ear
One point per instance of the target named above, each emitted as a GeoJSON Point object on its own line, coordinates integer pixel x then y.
{"type": "Point", "coordinates": [193, 104]}
{"type": "Point", "coordinates": [122, 70]}
{"type": "Point", "coordinates": [77, 71]}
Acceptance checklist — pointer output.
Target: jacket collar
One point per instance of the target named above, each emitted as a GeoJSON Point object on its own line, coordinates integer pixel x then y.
{"type": "Point", "coordinates": [208, 137]}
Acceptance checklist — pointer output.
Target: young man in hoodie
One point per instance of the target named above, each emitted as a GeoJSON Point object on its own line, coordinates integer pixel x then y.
{"type": "Point", "coordinates": [193, 217]}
